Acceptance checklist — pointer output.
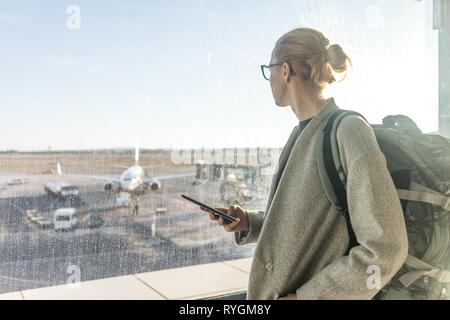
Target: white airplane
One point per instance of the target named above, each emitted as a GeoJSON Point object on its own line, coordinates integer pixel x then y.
{"type": "Point", "coordinates": [133, 179]}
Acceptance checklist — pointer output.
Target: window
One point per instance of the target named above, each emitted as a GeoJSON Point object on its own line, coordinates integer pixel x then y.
{"type": "Point", "coordinates": [83, 82]}
{"type": "Point", "coordinates": [62, 218]}
{"type": "Point", "coordinates": [69, 188]}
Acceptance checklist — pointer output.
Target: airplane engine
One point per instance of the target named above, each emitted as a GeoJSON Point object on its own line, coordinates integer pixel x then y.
{"type": "Point", "coordinates": [108, 186]}
{"type": "Point", "coordinates": [155, 185]}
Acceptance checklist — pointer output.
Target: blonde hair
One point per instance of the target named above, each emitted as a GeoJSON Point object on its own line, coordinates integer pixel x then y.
{"type": "Point", "coordinates": [311, 57]}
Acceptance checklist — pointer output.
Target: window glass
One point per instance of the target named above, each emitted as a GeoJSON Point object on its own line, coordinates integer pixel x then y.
{"type": "Point", "coordinates": [118, 97]}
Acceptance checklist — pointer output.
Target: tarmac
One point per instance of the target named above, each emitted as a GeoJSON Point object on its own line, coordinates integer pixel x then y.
{"type": "Point", "coordinates": [33, 254]}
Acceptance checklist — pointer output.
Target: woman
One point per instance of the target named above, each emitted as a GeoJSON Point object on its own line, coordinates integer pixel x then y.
{"type": "Point", "coordinates": [301, 238]}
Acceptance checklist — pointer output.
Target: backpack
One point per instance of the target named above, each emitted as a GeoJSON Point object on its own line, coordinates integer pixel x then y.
{"type": "Point", "coordinates": [419, 165]}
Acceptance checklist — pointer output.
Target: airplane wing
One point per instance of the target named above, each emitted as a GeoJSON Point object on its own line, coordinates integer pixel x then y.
{"type": "Point", "coordinates": [115, 180]}
{"type": "Point", "coordinates": [145, 167]}
{"type": "Point", "coordinates": [169, 177]}
{"type": "Point", "coordinates": [120, 166]}
{"type": "Point", "coordinates": [151, 166]}
{"type": "Point", "coordinates": [58, 169]}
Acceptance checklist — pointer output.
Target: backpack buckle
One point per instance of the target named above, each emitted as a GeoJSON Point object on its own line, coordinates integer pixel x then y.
{"type": "Point", "coordinates": [446, 204]}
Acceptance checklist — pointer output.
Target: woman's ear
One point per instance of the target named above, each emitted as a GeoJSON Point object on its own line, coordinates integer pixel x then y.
{"type": "Point", "coordinates": [286, 72]}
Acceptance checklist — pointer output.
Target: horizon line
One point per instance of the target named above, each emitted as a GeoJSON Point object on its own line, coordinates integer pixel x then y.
{"type": "Point", "coordinates": [130, 149]}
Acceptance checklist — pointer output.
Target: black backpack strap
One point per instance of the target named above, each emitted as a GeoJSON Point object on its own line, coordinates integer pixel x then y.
{"type": "Point", "coordinates": [334, 173]}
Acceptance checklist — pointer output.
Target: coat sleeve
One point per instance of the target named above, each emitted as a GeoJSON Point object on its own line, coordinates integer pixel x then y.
{"type": "Point", "coordinates": [377, 219]}
{"type": "Point", "coordinates": [255, 222]}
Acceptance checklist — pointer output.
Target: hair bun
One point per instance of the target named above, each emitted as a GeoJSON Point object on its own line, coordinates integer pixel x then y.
{"type": "Point", "coordinates": [336, 57]}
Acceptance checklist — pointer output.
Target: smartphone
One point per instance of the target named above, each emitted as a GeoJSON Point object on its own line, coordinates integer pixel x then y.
{"type": "Point", "coordinates": [226, 217]}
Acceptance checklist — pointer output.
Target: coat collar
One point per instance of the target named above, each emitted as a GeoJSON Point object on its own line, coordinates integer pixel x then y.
{"type": "Point", "coordinates": [306, 135]}
{"type": "Point", "coordinates": [311, 128]}
{"type": "Point", "coordinates": [328, 107]}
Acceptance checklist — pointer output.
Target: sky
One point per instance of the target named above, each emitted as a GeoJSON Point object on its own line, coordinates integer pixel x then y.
{"type": "Point", "coordinates": [186, 73]}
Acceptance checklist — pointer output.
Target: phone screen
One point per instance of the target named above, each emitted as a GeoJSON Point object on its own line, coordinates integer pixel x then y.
{"type": "Point", "coordinates": [227, 218]}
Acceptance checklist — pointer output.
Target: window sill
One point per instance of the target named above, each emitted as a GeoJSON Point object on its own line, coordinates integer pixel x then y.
{"type": "Point", "coordinates": [206, 281]}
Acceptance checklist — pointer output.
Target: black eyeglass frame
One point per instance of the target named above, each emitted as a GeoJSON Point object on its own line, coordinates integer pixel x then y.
{"type": "Point", "coordinates": [274, 65]}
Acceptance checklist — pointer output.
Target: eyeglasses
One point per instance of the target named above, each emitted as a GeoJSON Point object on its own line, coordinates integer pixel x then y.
{"type": "Point", "coordinates": [266, 69]}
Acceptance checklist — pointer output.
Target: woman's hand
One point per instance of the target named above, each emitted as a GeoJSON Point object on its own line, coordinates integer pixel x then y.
{"type": "Point", "coordinates": [241, 223]}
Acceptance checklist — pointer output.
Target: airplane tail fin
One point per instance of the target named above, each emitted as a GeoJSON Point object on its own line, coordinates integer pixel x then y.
{"type": "Point", "coordinates": [58, 168]}
{"type": "Point", "coordinates": [136, 154]}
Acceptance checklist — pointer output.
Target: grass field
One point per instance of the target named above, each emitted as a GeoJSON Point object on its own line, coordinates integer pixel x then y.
{"type": "Point", "coordinates": [98, 163]}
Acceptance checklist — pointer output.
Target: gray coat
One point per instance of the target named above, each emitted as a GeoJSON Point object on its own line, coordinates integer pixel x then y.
{"type": "Point", "coordinates": [301, 238]}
